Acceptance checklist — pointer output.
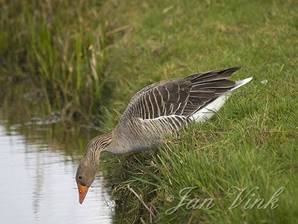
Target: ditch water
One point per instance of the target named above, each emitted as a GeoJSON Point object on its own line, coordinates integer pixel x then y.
{"type": "Point", "coordinates": [38, 181]}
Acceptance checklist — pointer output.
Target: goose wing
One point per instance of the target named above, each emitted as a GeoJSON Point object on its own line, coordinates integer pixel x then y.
{"type": "Point", "coordinates": [182, 97]}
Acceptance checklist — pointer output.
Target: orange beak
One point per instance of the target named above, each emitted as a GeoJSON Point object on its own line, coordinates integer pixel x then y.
{"type": "Point", "coordinates": [82, 192]}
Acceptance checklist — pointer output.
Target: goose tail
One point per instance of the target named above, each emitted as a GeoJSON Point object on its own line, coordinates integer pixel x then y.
{"type": "Point", "coordinates": [240, 83]}
{"type": "Point", "coordinates": [212, 108]}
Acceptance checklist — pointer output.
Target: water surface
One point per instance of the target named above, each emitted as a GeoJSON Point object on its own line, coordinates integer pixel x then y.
{"type": "Point", "coordinates": [38, 185]}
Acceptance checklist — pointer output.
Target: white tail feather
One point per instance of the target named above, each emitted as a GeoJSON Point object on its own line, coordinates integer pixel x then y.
{"type": "Point", "coordinates": [210, 109]}
{"type": "Point", "coordinates": [242, 82]}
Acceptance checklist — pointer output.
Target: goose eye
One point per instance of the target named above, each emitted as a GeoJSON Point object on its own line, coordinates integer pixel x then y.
{"type": "Point", "coordinates": [80, 177]}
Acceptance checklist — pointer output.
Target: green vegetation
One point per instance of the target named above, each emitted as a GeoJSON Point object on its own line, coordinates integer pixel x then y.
{"type": "Point", "coordinates": [61, 45]}
{"type": "Point", "coordinates": [95, 56]}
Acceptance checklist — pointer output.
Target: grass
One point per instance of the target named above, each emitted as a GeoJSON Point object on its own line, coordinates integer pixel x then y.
{"type": "Point", "coordinates": [252, 142]}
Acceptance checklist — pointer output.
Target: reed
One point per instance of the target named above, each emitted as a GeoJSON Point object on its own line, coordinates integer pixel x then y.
{"type": "Point", "coordinates": [60, 45]}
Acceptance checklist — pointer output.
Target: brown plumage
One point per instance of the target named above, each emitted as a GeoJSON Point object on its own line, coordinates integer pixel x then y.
{"type": "Point", "coordinates": [158, 110]}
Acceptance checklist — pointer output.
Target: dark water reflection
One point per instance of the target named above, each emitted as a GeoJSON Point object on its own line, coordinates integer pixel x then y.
{"type": "Point", "coordinates": [38, 186]}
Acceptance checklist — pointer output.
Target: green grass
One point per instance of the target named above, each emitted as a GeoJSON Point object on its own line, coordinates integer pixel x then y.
{"type": "Point", "coordinates": [252, 142]}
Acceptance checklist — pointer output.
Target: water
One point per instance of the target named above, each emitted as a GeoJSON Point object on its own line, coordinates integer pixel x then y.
{"type": "Point", "coordinates": [38, 186]}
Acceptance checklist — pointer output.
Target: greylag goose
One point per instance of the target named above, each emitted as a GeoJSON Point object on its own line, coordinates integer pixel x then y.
{"type": "Point", "coordinates": [156, 111]}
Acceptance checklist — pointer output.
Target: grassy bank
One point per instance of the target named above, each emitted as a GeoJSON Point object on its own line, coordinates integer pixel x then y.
{"type": "Point", "coordinates": [251, 144]}
{"type": "Point", "coordinates": [95, 56]}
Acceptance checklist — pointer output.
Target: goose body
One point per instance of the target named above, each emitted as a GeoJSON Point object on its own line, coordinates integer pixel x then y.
{"type": "Point", "coordinates": [159, 110]}
{"type": "Point", "coordinates": [165, 107]}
